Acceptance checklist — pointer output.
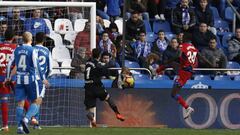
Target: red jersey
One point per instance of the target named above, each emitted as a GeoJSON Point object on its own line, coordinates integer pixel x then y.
{"type": "Point", "coordinates": [189, 55]}
{"type": "Point", "coordinates": [6, 52]}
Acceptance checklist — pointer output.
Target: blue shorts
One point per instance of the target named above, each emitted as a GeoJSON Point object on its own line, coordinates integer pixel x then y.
{"type": "Point", "coordinates": [30, 91]}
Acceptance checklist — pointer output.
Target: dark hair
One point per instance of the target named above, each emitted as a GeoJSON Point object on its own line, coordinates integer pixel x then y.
{"type": "Point", "coordinates": [96, 53]}
{"type": "Point", "coordinates": [135, 12]}
{"type": "Point", "coordinates": [3, 22]}
{"type": "Point", "coordinates": [9, 34]}
{"type": "Point", "coordinates": [213, 38]}
{"type": "Point", "coordinates": [161, 31]}
{"type": "Point", "coordinates": [113, 26]}
{"type": "Point", "coordinates": [40, 37]}
{"type": "Point", "coordinates": [187, 37]}
{"type": "Point", "coordinates": [105, 53]}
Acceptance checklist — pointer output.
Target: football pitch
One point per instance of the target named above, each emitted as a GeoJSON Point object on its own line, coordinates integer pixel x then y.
{"type": "Point", "coordinates": [127, 131]}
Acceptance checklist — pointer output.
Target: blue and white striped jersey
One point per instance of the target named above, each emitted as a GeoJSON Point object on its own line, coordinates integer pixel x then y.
{"type": "Point", "coordinates": [45, 59]}
{"type": "Point", "coordinates": [25, 58]}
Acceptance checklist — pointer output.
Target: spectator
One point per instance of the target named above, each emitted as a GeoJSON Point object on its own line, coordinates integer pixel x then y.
{"type": "Point", "coordinates": [156, 9]}
{"type": "Point", "coordinates": [36, 24]}
{"type": "Point", "coordinates": [3, 29]}
{"type": "Point", "coordinates": [78, 62]}
{"type": "Point", "coordinates": [114, 8]}
{"type": "Point", "coordinates": [107, 45]}
{"type": "Point", "coordinates": [100, 9]}
{"type": "Point", "coordinates": [152, 60]}
{"type": "Point", "coordinates": [204, 14]}
{"type": "Point", "coordinates": [202, 36]}
{"type": "Point", "coordinates": [100, 25]}
{"type": "Point", "coordinates": [83, 39]}
{"type": "Point", "coordinates": [160, 44]}
{"type": "Point", "coordinates": [134, 26]}
{"type": "Point", "coordinates": [113, 31]}
{"type": "Point", "coordinates": [170, 53]}
{"type": "Point", "coordinates": [16, 23]}
{"type": "Point", "coordinates": [214, 55]}
{"type": "Point", "coordinates": [183, 17]}
{"type": "Point", "coordinates": [139, 6]}
{"type": "Point", "coordinates": [119, 47]}
{"type": "Point", "coordinates": [142, 49]}
{"type": "Point", "coordinates": [107, 61]}
{"type": "Point", "coordinates": [172, 3]}
{"type": "Point", "coordinates": [234, 47]}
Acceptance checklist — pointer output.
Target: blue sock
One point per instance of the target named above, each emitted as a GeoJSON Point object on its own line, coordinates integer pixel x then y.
{"type": "Point", "coordinates": [32, 111]}
{"type": "Point", "coordinates": [37, 115]}
{"type": "Point", "coordinates": [19, 115]}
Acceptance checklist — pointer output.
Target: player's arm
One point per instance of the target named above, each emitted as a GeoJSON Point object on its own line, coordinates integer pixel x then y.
{"type": "Point", "coordinates": [38, 68]}
{"type": "Point", "coordinates": [10, 72]}
{"type": "Point", "coordinates": [49, 70]}
{"type": "Point", "coordinates": [206, 61]}
{"type": "Point", "coordinates": [163, 66]}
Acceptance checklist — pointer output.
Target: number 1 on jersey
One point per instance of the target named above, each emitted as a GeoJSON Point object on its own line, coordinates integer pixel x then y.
{"type": "Point", "coordinates": [88, 72]}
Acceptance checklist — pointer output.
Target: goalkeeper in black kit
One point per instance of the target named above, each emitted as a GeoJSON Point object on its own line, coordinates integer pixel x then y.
{"type": "Point", "coordinates": [94, 88]}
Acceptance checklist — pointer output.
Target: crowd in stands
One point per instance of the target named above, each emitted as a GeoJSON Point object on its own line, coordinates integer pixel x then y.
{"type": "Point", "coordinates": [146, 44]}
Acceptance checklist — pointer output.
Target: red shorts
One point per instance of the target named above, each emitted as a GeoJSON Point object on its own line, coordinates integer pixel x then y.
{"type": "Point", "coordinates": [183, 77]}
{"type": "Point", "coordinates": [4, 90]}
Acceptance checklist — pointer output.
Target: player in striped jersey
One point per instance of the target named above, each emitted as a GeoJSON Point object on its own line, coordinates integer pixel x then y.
{"type": "Point", "coordinates": [45, 61]}
{"type": "Point", "coordinates": [26, 68]}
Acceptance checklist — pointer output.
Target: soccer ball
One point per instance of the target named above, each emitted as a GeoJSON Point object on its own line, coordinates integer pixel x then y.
{"type": "Point", "coordinates": [128, 82]}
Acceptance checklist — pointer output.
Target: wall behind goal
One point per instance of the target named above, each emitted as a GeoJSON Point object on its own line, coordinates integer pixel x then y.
{"type": "Point", "coordinates": [156, 108]}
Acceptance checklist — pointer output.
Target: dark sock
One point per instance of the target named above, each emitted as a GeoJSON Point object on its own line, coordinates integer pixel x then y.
{"type": "Point", "coordinates": [90, 116]}
{"type": "Point", "coordinates": [112, 105]}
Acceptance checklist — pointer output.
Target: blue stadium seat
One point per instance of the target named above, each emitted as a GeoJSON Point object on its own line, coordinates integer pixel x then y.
{"type": "Point", "coordinates": [202, 77]}
{"type": "Point", "coordinates": [131, 64]}
{"type": "Point", "coordinates": [150, 37]}
{"type": "Point", "coordinates": [229, 14]}
{"type": "Point", "coordinates": [215, 13]}
{"type": "Point", "coordinates": [170, 36]}
{"type": "Point", "coordinates": [219, 44]}
{"type": "Point", "coordinates": [222, 77]}
{"type": "Point", "coordinates": [2, 18]}
{"type": "Point", "coordinates": [221, 26]}
{"type": "Point", "coordinates": [147, 26]}
{"type": "Point", "coordinates": [225, 39]}
{"type": "Point", "coordinates": [233, 65]}
{"type": "Point", "coordinates": [117, 65]}
{"type": "Point", "coordinates": [141, 77]}
{"type": "Point", "coordinates": [161, 77]}
{"type": "Point", "coordinates": [237, 78]}
{"type": "Point", "coordinates": [159, 25]}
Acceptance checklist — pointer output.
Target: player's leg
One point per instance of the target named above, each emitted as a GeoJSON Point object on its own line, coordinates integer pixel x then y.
{"type": "Point", "coordinates": [4, 95]}
{"type": "Point", "coordinates": [104, 96]}
{"type": "Point", "coordinates": [178, 84]}
{"type": "Point", "coordinates": [35, 119]}
{"type": "Point", "coordinates": [32, 91]}
{"type": "Point", "coordinates": [90, 103]}
{"type": "Point", "coordinates": [26, 105]}
{"type": "Point", "coordinates": [20, 96]}
{"type": "Point", "coordinates": [4, 108]}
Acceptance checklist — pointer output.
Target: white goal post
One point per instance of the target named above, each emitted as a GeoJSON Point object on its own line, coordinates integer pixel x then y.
{"type": "Point", "coordinates": [92, 5]}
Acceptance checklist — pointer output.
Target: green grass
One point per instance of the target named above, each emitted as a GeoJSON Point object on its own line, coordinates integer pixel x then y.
{"type": "Point", "coordinates": [127, 131]}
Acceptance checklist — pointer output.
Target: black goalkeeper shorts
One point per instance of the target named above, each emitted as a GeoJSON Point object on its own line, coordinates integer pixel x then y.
{"type": "Point", "coordinates": [92, 92]}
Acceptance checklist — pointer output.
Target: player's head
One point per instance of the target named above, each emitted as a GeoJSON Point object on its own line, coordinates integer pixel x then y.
{"type": "Point", "coordinates": [96, 53]}
{"type": "Point", "coordinates": [9, 35]}
{"type": "Point", "coordinates": [213, 43]}
{"type": "Point", "coordinates": [40, 38]}
{"type": "Point", "coordinates": [27, 38]}
{"type": "Point", "coordinates": [187, 38]}
{"type": "Point", "coordinates": [105, 57]}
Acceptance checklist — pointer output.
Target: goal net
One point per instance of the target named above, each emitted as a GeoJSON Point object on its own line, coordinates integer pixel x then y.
{"type": "Point", "coordinates": [62, 22]}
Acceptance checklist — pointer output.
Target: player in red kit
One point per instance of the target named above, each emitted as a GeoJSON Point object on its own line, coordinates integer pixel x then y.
{"type": "Point", "coordinates": [188, 57]}
{"type": "Point", "coordinates": [6, 50]}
